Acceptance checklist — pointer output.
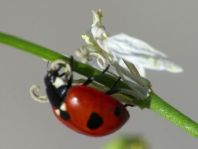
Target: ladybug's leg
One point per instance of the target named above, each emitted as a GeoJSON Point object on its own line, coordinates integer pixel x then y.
{"type": "Point", "coordinates": [90, 79]}
{"type": "Point", "coordinates": [113, 88]}
{"type": "Point", "coordinates": [112, 91]}
{"type": "Point", "coordinates": [128, 105]}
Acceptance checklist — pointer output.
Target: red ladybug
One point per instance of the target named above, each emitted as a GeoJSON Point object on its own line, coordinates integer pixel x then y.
{"type": "Point", "coordinates": [82, 108]}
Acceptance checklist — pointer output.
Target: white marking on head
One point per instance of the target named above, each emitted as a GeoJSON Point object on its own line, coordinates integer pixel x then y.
{"type": "Point", "coordinates": [57, 111]}
{"type": "Point", "coordinates": [58, 82]}
{"type": "Point", "coordinates": [63, 107]}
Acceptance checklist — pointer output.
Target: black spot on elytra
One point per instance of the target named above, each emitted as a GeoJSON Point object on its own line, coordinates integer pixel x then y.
{"type": "Point", "coordinates": [117, 111]}
{"type": "Point", "coordinates": [64, 115]}
{"type": "Point", "coordinates": [95, 121]}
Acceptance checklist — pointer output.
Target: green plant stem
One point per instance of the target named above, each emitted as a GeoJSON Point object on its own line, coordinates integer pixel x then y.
{"type": "Point", "coordinates": [154, 103]}
{"type": "Point", "coordinates": [173, 115]}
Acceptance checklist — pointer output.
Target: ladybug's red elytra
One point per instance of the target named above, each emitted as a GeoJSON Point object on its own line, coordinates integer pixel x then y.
{"type": "Point", "coordinates": [83, 108]}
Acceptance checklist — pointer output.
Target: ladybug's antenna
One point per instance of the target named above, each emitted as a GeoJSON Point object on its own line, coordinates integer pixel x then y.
{"type": "Point", "coordinates": [47, 65]}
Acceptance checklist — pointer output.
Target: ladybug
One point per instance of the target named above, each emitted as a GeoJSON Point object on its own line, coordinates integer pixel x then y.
{"type": "Point", "coordinates": [82, 108]}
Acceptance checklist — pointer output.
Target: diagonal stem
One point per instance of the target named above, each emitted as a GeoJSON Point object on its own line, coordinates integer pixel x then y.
{"type": "Point", "coordinates": [154, 103]}
{"type": "Point", "coordinates": [173, 115]}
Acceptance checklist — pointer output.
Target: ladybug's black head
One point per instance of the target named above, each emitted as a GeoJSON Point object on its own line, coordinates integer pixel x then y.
{"type": "Point", "coordinates": [50, 77]}
{"type": "Point", "coordinates": [56, 88]}
{"type": "Point", "coordinates": [57, 82]}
